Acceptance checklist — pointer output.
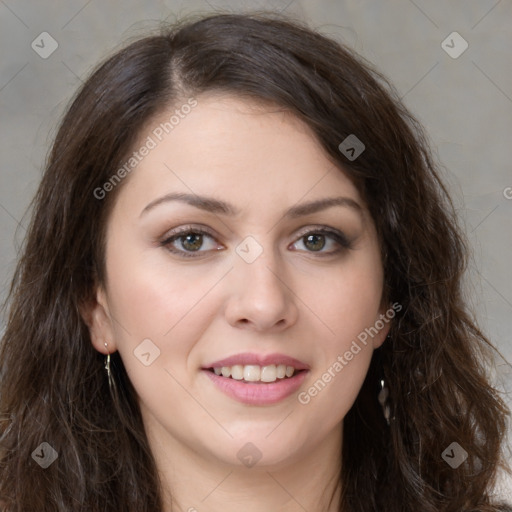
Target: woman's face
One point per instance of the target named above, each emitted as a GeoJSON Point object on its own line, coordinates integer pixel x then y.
{"type": "Point", "coordinates": [236, 237]}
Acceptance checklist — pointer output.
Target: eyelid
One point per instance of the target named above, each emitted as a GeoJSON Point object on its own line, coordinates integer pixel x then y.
{"type": "Point", "coordinates": [188, 228]}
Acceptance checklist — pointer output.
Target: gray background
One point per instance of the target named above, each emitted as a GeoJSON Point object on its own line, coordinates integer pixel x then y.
{"type": "Point", "coordinates": [465, 103]}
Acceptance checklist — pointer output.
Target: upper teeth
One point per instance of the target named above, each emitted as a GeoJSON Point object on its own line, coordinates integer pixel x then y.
{"type": "Point", "coordinates": [254, 373]}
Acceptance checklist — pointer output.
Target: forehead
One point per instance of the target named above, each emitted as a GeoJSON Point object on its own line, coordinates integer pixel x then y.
{"type": "Point", "coordinates": [236, 148]}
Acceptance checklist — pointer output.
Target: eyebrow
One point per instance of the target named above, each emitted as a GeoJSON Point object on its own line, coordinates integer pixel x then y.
{"type": "Point", "coordinates": [213, 205]}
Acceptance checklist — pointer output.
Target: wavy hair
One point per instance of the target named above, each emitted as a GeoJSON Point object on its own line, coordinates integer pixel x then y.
{"type": "Point", "coordinates": [54, 388]}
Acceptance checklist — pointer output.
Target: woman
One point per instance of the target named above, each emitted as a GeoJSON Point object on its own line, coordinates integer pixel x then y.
{"type": "Point", "coordinates": [242, 287]}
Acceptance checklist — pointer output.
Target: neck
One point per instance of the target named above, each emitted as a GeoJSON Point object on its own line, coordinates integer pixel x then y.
{"type": "Point", "coordinates": [193, 482]}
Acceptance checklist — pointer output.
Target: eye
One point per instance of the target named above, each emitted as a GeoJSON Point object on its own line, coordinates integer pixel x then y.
{"type": "Point", "coordinates": [186, 241]}
{"type": "Point", "coordinates": [190, 242]}
{"type": "Point", "coordinates": [317, 240]}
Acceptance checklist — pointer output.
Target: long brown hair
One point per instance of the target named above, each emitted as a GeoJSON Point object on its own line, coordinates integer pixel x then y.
{"type": "Point", "coordinates": [54, 388]}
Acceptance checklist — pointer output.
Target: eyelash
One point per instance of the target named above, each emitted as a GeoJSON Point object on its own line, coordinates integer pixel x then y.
{"type": "Point", "coordinates": [336, 235]}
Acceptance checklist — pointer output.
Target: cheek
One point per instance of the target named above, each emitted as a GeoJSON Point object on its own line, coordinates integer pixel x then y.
{"type": "Point", "coordinates": [170, 307]}
{"type": "Point", "coordinates": [348, 307]}
{"type": "Point", "coordinates": [163, 314]}
{"type": "Point", "coordinates": [343, 358]}
{"type": "Point", "coordinates": [153, 298]}
{"type": "Point", "coordinates": [348, 301]}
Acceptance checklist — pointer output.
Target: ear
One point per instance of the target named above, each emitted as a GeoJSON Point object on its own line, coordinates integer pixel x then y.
{"type": "Point", "coordinates": [383, 323]}
{"type": "Point", "coordinates": [97, 317]}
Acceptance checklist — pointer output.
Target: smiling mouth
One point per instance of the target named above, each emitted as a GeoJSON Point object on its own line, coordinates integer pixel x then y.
{"type": "Point", "coordinates": [256, 374]}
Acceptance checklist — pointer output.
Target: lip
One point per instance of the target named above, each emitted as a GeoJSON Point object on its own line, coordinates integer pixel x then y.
{"type": "Point", "coordinates": [258, 393]}
{"type": "Point", "coordinates": [259, 360]}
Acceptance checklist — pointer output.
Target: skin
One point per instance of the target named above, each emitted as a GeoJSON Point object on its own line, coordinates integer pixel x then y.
{"type": "Point", "coordinates": [292, 299]}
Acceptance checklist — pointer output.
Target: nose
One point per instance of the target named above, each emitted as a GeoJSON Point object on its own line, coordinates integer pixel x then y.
{"type": "Point", "coordinates": [260, 296]}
